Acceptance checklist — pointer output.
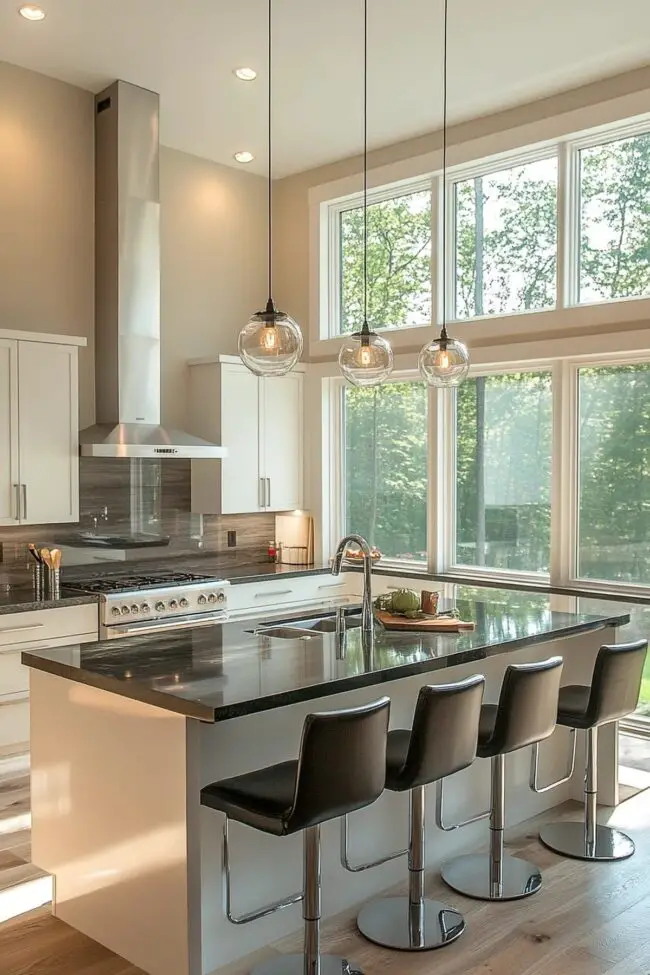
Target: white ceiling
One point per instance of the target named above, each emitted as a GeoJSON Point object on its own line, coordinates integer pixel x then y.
{"type": "Point", "coordinates": [501, 53]}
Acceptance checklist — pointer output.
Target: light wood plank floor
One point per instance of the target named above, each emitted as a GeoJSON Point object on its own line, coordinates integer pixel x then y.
{"type": "Point", "coordinates": [589, 919]}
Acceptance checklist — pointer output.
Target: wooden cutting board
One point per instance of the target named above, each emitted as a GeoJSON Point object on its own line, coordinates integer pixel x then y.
{"type": "Point", "coordinates": [444, 625]}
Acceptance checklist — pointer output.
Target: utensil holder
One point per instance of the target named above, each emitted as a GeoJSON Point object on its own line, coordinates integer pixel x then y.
{"type": "Point", "coordinates": [53, 583]}
{"type": "Point", "coordinates": [38, 581]}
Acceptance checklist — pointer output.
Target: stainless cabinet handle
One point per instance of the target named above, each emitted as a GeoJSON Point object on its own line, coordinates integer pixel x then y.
{"type": "Point", "coordinates": [333, 585]}
{"type": "Point", "coordinates": [276, 592]}
{"type": "Point", "coordinates": [21, 629]}
{"type": "Point", "coordinates": [260, 493]}
{"type": "Point", "coordinates": [24, 487]}
{"type": "Point", "coordinates": [17, 500]}
{"type": "Point", "coordinates": [268, 492]}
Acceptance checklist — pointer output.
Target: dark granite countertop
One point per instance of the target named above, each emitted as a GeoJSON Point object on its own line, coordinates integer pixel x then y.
{"type": "Point", "coordinates": [227, 671]}
{"type": "Point", "coordinates": [266, 570]}
{"type": "Point", "coordinates": [20, 599]}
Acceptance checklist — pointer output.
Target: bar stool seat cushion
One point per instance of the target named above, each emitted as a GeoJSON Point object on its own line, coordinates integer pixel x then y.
{"type": "Point", "coordinates": [262, 799]}
{"type": "Point", "coordinates": [573, 706]}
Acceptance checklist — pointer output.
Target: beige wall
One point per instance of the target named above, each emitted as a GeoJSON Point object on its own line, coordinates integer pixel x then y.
{"type": "Point", "coordinates": [213, 222]}
{"type": "Point", "coordinates": [46, 212]}
{"type": "Point", "coordinates": [292, 193]}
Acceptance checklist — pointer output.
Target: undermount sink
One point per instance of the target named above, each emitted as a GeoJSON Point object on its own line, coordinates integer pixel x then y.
{"type": "Point", "coordinates": [304, 629]}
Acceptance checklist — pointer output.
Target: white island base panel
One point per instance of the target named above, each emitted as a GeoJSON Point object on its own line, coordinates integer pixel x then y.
{"type": "Point", "coordinates": [136, 860]}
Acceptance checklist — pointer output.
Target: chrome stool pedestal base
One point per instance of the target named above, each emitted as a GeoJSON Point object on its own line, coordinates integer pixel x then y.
{"type": "Point", "coordinates": [572, 840]}
{"type": "Point", "coordinates": [394, 922]}
{"type": "Point", "coordinates": [509, 880]}
{"type": "Point", "coordinates": [295, 965]}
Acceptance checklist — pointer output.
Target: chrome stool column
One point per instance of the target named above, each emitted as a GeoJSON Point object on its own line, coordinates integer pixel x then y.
{"type": "Point", "coordinates": [442, 741]}
{"type": "Point", "coordinates": [341, 767]}
{"type": "Point", "coordinates": [613, 694]}
{"type": "Point", "coordinates": [525, 714]}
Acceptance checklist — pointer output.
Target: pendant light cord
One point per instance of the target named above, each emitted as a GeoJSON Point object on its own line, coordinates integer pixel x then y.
{"type": "Point", "coordinates": [270, 148]}
{"type": "Point", "coordinates": [365, 165]}
{"type": "Point", "coordinates": [443, 331]}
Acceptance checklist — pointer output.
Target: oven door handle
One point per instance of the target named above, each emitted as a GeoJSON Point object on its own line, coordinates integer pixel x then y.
{"type": "Point", "coordinates": [158, 626]}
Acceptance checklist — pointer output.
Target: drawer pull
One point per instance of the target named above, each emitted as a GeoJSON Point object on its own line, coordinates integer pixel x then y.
{"type": "Point", "coordinates": [333, 585]}
{"type": "Point", "coordinates": [22, 629]}
{"type": "Point", "coordinates": [276, 592]}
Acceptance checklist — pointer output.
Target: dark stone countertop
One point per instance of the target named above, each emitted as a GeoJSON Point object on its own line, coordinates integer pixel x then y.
{"type": "Point", "coordinates": [226, 671]}
{"type": "Point", "coordinates": [21, 599]}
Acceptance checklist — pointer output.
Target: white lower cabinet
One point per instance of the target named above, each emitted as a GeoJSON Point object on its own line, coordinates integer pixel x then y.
{"type": "Point", "coordinates": [278, 593]}
{"type": "Point", "coordinates": [35, 630]}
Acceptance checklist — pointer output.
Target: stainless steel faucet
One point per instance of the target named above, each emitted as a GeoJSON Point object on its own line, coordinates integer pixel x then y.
{"type": "Point", "coordinates": [366, 606]}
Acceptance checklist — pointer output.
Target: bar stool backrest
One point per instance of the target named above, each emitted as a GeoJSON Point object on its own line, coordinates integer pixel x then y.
{"type": "Point", "coordinates": [342, 763]}
{"type": "Point", "coordinates": [616, 681]}
{"type": "Point", "coordinates": [527, 709]}
{"type": "Point", "coordinates": [445, 731]}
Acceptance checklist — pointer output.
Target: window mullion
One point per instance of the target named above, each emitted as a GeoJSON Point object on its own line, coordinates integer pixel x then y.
{"type": "Point", "coordinates": [568, 230]}
{"type": "Point", "coordinates": [564, 498]}
{"type": "Point", "coordinates": [442, 472]}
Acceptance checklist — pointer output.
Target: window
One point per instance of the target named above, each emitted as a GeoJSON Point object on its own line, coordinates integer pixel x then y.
{"type": "Point", "coordinates": [385, 477]}
{"type": "Point", "coordinates": [506, 240]}
{"type": "Point", "coordinates": [614, 473]}
{"type": "Point", "coordinates": [503, 471]}
{"type": "Point", "coordinates": [615, 219]}
{"type": "Point", "coordinates": [399, 263]}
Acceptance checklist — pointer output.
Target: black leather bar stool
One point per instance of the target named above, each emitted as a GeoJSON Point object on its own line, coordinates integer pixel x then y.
{"type": "Point", "coordinates": [442, 741]}
{"type": "Point", "coordinates": [613, 694]}
{"type": "Point", "coordinates": [341, 767]}
{"type": "Point", "coordinates": [526, 713]}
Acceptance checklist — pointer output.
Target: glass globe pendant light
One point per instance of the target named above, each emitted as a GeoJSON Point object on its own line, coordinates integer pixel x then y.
{"type": "Point", "coordinates": [365, 358]}
{"type": "Point", "coordinates": [271, 343]}
{"type": "Point", "coordinates": [444, 362]}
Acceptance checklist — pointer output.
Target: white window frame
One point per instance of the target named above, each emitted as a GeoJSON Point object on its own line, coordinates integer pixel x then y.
{"type": "Point", "coordinates": [566, 149]}
{"type": "Point", "coordinates": [331, 218]}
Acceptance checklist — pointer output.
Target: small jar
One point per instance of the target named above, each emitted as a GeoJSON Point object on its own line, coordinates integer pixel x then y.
{"type": "Point", "coordinates": [272, 551]}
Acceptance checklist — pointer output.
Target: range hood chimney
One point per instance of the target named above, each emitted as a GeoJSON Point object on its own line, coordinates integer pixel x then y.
{"type": "Point", "coordinates": [127, 285]}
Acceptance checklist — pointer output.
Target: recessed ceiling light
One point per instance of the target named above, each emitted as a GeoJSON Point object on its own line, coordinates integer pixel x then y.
{"type": "Point", "coordinates": [31, 12]}
{"type": "Point", "coordinates": [246, 74]}
{"type": "Point", "coordinates": [244, 157]}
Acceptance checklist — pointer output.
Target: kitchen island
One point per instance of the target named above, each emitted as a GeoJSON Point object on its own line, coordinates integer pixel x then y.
{"type": "Point", "coordinates": [125, 734]}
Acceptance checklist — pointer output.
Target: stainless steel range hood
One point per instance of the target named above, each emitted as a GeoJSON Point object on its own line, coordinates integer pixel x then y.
{"type": "Point", "coordinates": [127, 285]}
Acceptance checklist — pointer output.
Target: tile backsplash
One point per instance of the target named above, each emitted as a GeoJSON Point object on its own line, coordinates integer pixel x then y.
{"type": "Point", "coordinates": [145, 497]}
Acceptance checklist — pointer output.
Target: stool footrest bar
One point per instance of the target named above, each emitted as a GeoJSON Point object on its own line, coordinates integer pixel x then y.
{"type": "Point", "coordinates": [360, 867]}
{"type": "Point", "coordinates": [534, 768]}
{"type": "Point", "coordinates": [260, 912]}
{"type": "Point", "coordinates": [440, 815]}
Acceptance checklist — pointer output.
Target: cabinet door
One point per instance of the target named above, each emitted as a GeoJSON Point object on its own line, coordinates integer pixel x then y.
{"type": "Point", "coordinates": [8, 432]}
{"type": "Point", "coordinates": [281, 425]}
{"type": "Point", "coordinates": [48, 432]}
{"type": "Point", "coordinates": [241, 489]}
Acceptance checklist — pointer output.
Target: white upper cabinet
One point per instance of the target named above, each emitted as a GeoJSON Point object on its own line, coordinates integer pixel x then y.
{"type": "Point", "coordinates": [39, 427]}
{"type": "Point", "coordinates": [260, 421]}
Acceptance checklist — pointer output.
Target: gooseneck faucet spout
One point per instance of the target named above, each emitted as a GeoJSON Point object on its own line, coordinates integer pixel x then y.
{"type": "Point", "coordinates": [366, 607]}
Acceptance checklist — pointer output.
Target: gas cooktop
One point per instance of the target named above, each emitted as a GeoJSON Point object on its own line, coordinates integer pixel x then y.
{"type": "Point", "coordinates": [136, 581]}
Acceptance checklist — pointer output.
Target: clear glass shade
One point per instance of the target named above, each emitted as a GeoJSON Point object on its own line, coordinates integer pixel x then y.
{"type": "Point", "coordinates": [366, 359]}
{"type": "Point", "coordinates": [444, 362]}
{"type": "Point", "coordinates": [271, 343]}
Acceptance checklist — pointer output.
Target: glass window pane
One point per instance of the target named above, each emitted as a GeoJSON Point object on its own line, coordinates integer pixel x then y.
{"type": "Point", "coordinates": [503, 471]}
{"type": "Point", "coordinates": [506, 240]}
{"type": "Point", "coordinates": [615, 220]}
{"type": "Point", "coordinates": [386, 468]}
{"type": "Point", "coordinates": [614, 515]}
{"type": "Point", "coordinates": [399, 263]}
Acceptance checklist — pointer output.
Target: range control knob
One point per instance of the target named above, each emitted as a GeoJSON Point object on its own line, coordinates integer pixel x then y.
{"type": "Point", "coordinates": [135, 608]}
{"type": "Point", "coordinates": [202, 599]}
{"type": "Point", "coordinates": [160, 606]}
{"type": "Point", "coordinates": [212, 598]}
{"type": "Point", "coordinates": [221, 597]}
{"type": "Point", "coordinates": [115, 611]}
{"type": "Point", "coordinates": [125, 610]}
{"type": "Point", "coordinates": [146, 608]}
{"type": "Point", "coordinates": [183, 603]}
{"type": "Point", "coordinates": [173, 604]}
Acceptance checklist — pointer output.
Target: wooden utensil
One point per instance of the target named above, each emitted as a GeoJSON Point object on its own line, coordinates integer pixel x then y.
{"type": "Point", "coordinates": [46, 557]}
{"type": "Point", "coordinates": [441, 624]}
{"type": "Point", "coordinates": [55, 556]}
{"type": "Point", "coordinates": [33, 551]}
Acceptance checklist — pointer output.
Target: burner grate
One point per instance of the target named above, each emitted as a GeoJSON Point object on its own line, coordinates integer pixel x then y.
{"type": "Point", "coordinates": [125, 583]}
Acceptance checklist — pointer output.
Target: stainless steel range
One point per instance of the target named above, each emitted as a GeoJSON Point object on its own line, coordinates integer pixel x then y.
{"type": "Point", "coordinates": [137, 604]}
